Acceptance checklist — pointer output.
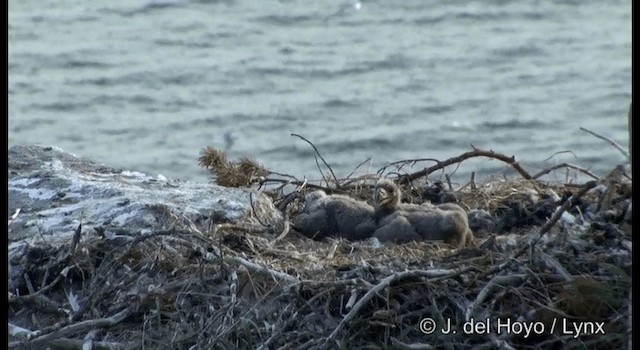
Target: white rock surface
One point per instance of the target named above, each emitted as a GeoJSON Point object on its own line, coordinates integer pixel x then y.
{"type": "Point", "coordinates": [55, 191]}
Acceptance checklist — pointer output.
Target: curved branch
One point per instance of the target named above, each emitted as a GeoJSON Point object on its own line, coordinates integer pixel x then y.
{"type": "Point", "coordinates": [565, 165]}
{"type": "Point", "coordinates": [609, 141]}
{"type": "Point", "coordinates": [475, 153]}
{"type": "Point", "coordinates": [319, 155]}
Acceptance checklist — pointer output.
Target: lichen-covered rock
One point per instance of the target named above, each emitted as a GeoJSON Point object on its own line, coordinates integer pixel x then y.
{"type": "Point", "coordinates": [55, 191]}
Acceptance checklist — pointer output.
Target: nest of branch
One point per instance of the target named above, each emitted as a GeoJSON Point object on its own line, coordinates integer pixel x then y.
{"type": "Point", "coordinates": [546, 285]}
{"type": "Point", "coordinates": [241, 173]}
{"type": "Point", "coordinates": [179, 289]}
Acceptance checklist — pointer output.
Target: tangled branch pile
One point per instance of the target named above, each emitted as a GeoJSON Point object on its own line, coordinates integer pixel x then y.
{"type": "Point", "coordinates": [544, 282]}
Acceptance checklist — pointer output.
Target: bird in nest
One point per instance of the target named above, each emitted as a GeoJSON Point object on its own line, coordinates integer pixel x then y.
{"type": "Point", "coordinates": [394, 221]}
{"type": "Point", "coordinates": [333, 215]}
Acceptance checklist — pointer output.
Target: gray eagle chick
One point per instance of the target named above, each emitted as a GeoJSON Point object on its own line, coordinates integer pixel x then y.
{"type": "Point", "coordinates": [400, 222]}
{"type": "Point", "coordinates": [333, 215]}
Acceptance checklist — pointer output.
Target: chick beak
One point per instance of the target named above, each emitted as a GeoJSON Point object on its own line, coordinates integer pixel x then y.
{"type": "Point", "coordinates": [383, 197]}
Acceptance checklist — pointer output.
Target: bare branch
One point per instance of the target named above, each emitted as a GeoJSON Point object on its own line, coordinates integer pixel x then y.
{"type": "Point", "coordinates": [560, 152]}
{"type": "Point", "coordinates": [474, 153]}
{"type": "Point", "coordinates": [358, 166]}
{"type": "Point", "coordinates": [381, 286]}
{"type": "Point", "coordinates": [609, 141]}
{"type": "Point", "coordinates": [565, 165]}
{"type": "Point", "coordinates": [319, 155]}
{"type": "Point", "coordinates": [80, 327]}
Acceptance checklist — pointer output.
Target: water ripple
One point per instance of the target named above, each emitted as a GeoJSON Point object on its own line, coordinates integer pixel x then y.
{"type": "Point", "coordinates": [389, 81]}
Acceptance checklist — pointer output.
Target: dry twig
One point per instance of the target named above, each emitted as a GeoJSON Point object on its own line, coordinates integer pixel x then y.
{"type": "Point", "coordinates": [319, 155]}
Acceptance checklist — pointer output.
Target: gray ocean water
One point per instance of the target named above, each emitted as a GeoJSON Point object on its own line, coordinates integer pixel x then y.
{"type": "Point", "coordinates": [147, 85]}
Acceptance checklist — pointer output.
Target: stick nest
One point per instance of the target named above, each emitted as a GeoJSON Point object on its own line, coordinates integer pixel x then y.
{"type": "Point", "coordinates": [231, 286]}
